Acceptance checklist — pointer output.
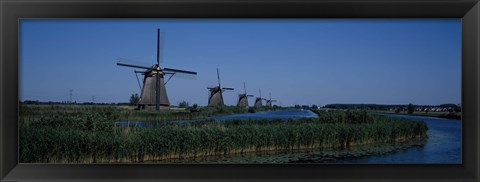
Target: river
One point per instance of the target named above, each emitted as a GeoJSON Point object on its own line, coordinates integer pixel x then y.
{"type": "Point", "coordinates": [443, 146]}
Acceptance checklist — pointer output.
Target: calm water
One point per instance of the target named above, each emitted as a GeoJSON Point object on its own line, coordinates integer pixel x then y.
{"type": "Point", "coordinates": [282, 114]}
{"type": "Point", "coordinates": [443, 145]}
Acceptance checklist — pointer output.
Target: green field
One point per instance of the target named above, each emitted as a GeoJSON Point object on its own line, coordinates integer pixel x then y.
{"type": "Point", "coordinates": [87, 134]}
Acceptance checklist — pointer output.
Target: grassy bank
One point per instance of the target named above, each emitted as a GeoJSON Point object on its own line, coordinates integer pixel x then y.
{"type": "Point", "coordinates": [89, 135]}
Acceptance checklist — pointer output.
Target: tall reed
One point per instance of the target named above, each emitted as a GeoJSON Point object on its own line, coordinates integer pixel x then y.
{"type": "Point", "coordinates": [90, 135]}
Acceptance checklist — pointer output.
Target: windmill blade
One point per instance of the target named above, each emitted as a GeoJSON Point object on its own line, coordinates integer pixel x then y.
{"type": "Point", "coordinates": [180, 75]}
{"type": "Point", "coordinates": [169, 78]}
{"type": "Point", "coordinates": [249, 95]}
{"type": "Point", "coordinates": [127, 63]}
{"type": "Point", "coordinates": [245, 87]}
{"type": "Point", "coordinates": [143, 72]}
{"type": "Point", "coordinates": [158, 46]}
{"type": "Point", "coordinates": [212, 87]}
{"type": "Point", "coordinates": [162, 47]}
{"type": "Point", "coordinates": [157, 85]}
{"type": "Point", "coordinates": [138, 80]}
{"type": "Point", "coordinates": [179, 71]}
{"type": "Point", "coordinates": [168, 73]}
{"type": "Point", "coordinates": [226, 88]}
{"type": "Point", "coordinates": [133, 66]}
{"type": "Point", "coordinates": [218, 76]}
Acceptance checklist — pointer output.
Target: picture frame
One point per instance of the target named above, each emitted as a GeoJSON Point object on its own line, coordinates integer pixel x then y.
{"type": "Point", "coordinates": [12, 11]}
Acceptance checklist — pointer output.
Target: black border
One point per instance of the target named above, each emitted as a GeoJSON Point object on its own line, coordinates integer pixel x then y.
{"type": "Point", "coordinates": [11, 11]}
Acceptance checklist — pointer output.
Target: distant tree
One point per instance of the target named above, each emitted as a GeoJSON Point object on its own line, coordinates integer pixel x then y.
{"type": "Point", "coordinates": [314, 106]}
{"type": "Point", "coordinates": [183, 104]}
{"type": "Point", "coordinates": [195, 106]}
{"type": "Point", "coordinates": [410, 108]}
{"type": "Point", "coordinates": [134, 99]}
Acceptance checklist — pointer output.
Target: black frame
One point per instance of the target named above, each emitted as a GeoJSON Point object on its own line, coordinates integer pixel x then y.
{"type": "Point", "coordinates": [11, 11]}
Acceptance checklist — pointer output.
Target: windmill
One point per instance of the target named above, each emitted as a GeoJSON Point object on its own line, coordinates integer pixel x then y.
{"type": "Point", "coordinates": [153, 92]}
{"type": "Point", "coordinates": [216, 98]}
{"type": "Point", "coordinates": [243, 98]}
{"type": "Point", "coordinates": [269, 101]}
{"type": "Point", "coordinates": [258, 100]}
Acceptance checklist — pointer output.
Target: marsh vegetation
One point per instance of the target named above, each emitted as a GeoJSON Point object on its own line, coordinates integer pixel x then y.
{"type": "Point", "coordinates": [88, 134]}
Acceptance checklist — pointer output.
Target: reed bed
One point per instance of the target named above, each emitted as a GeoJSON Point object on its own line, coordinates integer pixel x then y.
{"type": "Point", "coordinates": [90, 136]}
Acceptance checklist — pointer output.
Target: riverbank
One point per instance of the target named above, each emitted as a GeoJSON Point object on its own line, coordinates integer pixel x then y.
{"type": "Point", "coordinates": [446, 115]}
{"type": "Point", "coordinates": [324, 155]}
{"type": "Point", "coordinates": [90, 136]}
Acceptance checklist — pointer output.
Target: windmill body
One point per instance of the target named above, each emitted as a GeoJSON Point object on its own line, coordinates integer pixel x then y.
{"type": "Point", "coordinates": [215, 98]}
{"type": "Point", "coordinates": [153, 93]}
{"type": "Point", "coordinates": [148, 95]}
{"type": "Point", "coordinates": [243, 98]}
{"type": "Point", "coordinates": [269, 101]}
{"type": "Point", "coordinates": [258, 100]}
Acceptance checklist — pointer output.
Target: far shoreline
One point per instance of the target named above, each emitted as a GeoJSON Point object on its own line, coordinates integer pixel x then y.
{"type": "Point", "coordinates": [445, 115]}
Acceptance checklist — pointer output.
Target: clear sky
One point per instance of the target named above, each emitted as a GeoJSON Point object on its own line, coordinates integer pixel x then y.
{"type": "Point", "coordinates": [315, 61]}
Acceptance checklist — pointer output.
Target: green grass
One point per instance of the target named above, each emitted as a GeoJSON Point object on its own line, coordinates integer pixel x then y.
{"type": "Point", "coordinates": [89, 135]}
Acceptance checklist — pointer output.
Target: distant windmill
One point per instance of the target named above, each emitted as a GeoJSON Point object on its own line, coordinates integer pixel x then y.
{"type": "Point", "coordinates": [243, 98]}
{"type": "Point", "coordinates": [258, 100]}
{"type": "Point", "coordinates": [269, 101]}
{"type": "Point", "coordinates": [216, 98]}
{"type": "Point", "coordinates": [153, 90]}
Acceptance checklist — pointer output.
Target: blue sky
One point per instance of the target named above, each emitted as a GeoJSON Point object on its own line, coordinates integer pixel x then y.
{"type": "Point", "coordinates": [314, 61]}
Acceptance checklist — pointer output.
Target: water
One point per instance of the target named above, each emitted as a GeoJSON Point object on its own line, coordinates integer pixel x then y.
{"type": "Point", "coordinates": [281, 114]}
{"type": "Point", "coordinates": [443, 145]}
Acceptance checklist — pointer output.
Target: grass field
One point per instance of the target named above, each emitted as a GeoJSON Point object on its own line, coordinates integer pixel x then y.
{"type": "Point", "coordinates": [87, 134]}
